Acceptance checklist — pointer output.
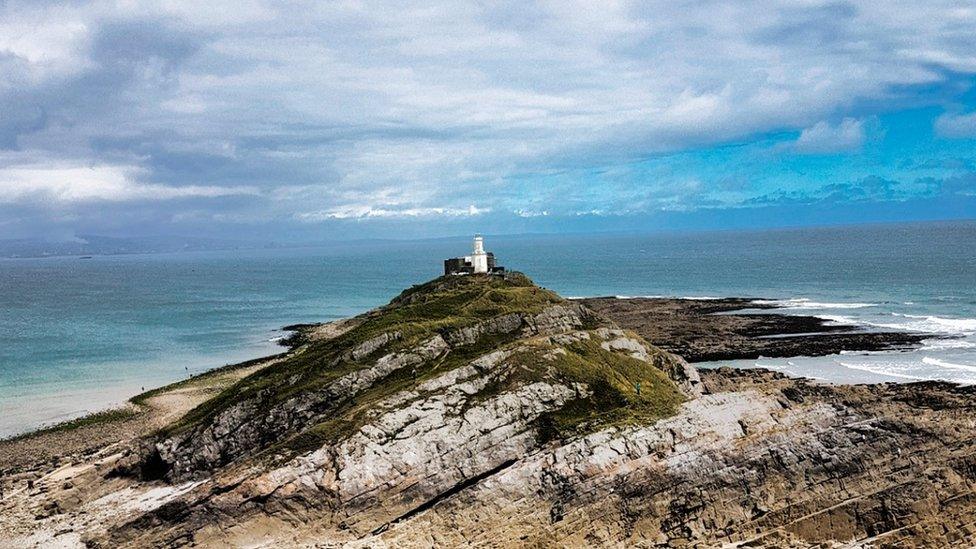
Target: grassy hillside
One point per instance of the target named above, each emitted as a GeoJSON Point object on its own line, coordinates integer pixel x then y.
{"type": "Point", "coordinates": [623, 389]}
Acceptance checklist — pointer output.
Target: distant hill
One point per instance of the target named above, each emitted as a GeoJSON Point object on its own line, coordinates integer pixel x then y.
{"type": "Point", "coordinates": [107, 245]}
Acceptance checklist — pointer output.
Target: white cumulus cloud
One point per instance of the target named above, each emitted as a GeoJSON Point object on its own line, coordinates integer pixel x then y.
{"type": "Point", "coordinates": [367, 212]}
{"type": "Point", "coordinates": [824, 138]}
{"type": "Point", "coordinates": [447, 102]}
{"type": "Point", "coordinates": [960, 126]}
{"type": "Point", "coordinates": [98, 183]}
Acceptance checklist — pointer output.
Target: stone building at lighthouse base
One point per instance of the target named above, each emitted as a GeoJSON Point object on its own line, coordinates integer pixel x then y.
{"type": "Point", "coordinates": [479, 262]}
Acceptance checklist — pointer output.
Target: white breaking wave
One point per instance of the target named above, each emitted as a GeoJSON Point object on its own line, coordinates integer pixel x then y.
{"type": "Point", "coordinates": [943, 344]}
{"type": "Point", "coordinates": [840, 319]}
{"type": "Point", "coordinates": [950, 365]}
{"type": "Point", "coordinates": [936, 324]}
{"type": "Point", "coordinates": [615, 296]}
{"type": "Point", "coordinates": [879, 370]}
{"type": "Point", "coordinates": [962, 324]}
{"type": "Point", "coordinates": [866, 353]}
{"type": "Point", "coordinates": [804, 303]}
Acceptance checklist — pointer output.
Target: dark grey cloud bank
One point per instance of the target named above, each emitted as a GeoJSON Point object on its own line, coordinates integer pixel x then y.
{"type": "Point", "coordinates": [316, 118]}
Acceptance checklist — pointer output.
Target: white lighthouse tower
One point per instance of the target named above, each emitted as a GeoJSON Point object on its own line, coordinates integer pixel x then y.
{"type": "Point", "coordinates": [479, 262]}
{"type": "Point", "coordinates": [479, 259]}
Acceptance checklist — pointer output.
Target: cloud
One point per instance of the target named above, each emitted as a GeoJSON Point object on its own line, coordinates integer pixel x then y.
{"type": "Point", "coordinates": [874, 189]}
{"type": "Point", "coordinates": [368, 212]}
{"type": "Point", "coordinates": [958, 126]}
{"type": "Point", "coordinates": [824, 138]}
{"type": "Point", "coordinates": [93, 184]}
{"type": "Point", "coordinates": [448, 103]}
{"type": "Point", "coordinates": [530, 213]}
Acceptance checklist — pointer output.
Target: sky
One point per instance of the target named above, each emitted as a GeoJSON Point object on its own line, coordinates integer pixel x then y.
{"type": "Point", "coordinates": [346, 119]}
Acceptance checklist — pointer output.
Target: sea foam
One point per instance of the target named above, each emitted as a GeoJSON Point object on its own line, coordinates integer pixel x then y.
{"type": "Point", "coordinates": [944, 344]}
{"type": "Point", "coordinates": [946, 364]}
{"type": "Point", "coordinates": [804, 303]}
{"type": "Point", "coordinates": [879, 370]}
{"type": "Point", "coordinates": [839, 319]}
{"type": "Point", "coordinates": [936, 324]}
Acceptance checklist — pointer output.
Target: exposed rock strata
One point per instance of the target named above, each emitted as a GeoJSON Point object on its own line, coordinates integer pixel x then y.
{"type": "Point", "coordinates": [249, 425]}
{"type": "Point", "coordinates": [760, 460]}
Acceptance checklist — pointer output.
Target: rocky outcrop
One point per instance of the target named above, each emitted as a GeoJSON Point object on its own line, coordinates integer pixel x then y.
{"type": "Point", "coordinates": [759, 460]}
{"type": "Point", "coordinates": [254, 423]}
{"type": "Point", "coordinates": [541, 426]}
{"type": "Point", "coordinates": [469, 335]}
{"type": "Point", "coordinates": [557, 319]}
{"type": "Point", "coordinates": [702, 330]}
{"type": "Point", "coordinates": [773, 463]}
{"type": "Point", "coordinates": [417, 445]}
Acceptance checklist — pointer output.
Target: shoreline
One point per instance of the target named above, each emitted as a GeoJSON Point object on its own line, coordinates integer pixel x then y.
{"type": "Point", "coordinates": [145, 412]}
{"type": "Point", "coordinates": [139, 415]}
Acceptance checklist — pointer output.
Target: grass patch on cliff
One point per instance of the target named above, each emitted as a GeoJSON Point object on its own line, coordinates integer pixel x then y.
{"type": "Point", "coordinates": [452, 302]}
{"type": "Point", "coordinates": [622, 390]}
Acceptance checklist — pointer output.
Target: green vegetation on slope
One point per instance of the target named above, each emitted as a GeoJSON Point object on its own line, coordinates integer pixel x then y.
{"type": "Point", "coordinates": [623, 391]}
{"type": "Point", "coordinates": [201, 378]}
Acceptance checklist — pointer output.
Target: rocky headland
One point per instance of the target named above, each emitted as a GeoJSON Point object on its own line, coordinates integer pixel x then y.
{"type": "Point", "coordinates": [488, 411]}
{"type": "Point", "coordinates": [702, 330]}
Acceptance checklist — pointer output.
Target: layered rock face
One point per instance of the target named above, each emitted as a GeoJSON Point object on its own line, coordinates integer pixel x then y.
{"type": "Point", "coordinates": [489, 412]}
{"type": "Point", "coordinates": [368, 429]}
{"type": "Point", "coordinates": [759, 461]}
{"type": "Point", "coordinates": [259, 420]}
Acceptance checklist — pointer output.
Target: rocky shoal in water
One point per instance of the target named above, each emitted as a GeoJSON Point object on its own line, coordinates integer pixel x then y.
{"type": "Point", "coordinates": [703, 330]}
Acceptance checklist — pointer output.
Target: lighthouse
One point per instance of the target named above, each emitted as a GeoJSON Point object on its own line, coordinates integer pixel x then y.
{"type": "Point", "coordinates": [479, 259]}
{"type": "Point", "coordinates": [479, 262]}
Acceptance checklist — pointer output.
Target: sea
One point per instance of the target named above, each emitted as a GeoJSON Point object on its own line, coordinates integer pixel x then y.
{"type": "Point", "coordinates": [79, 335]}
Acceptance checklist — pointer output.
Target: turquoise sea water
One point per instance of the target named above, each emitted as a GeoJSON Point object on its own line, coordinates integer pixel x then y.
{"type": "Point", "coordinates": [78, 335]}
